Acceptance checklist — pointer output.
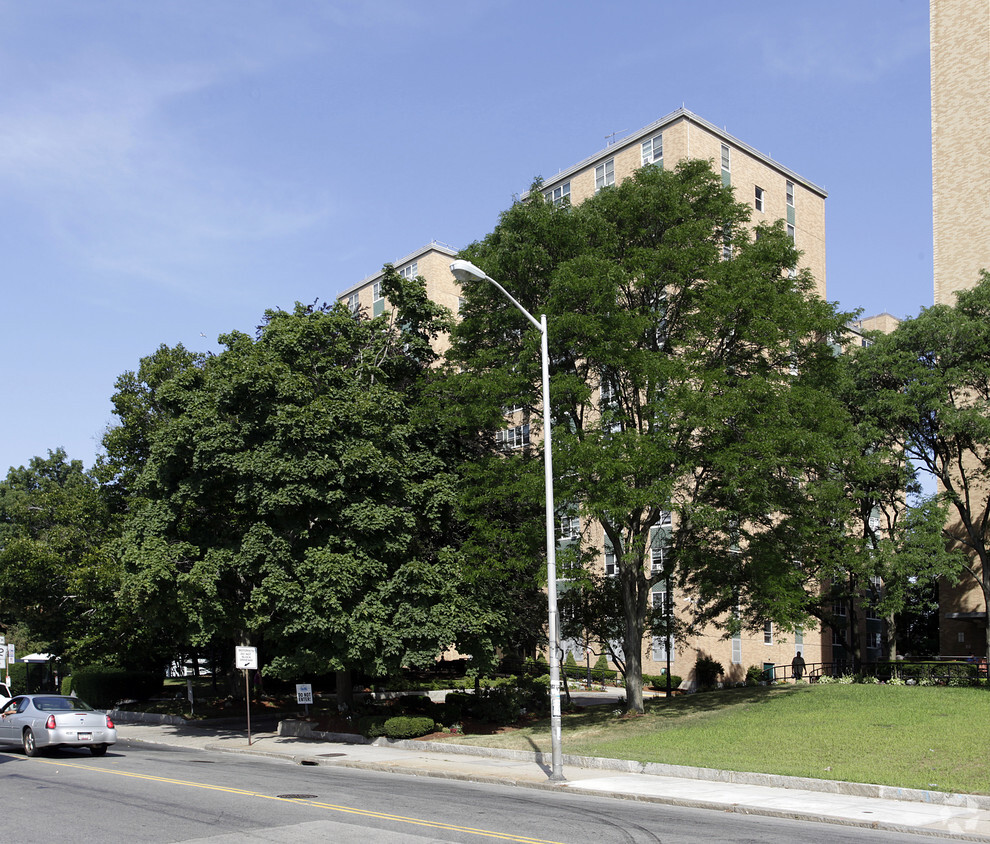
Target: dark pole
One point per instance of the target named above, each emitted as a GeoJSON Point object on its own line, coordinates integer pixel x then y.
{"type": "Point", "coordinates": [666, 628]}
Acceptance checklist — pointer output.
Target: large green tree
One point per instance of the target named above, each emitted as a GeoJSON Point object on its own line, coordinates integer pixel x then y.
{"type": "Point", "coordinates": [674, 334]}
{"type": "Point", "coordinates": [57, 582]}
{"type": "Point", "coordinates": [928, 383]}
{"type": "Point", "coordinates": [296, 491]}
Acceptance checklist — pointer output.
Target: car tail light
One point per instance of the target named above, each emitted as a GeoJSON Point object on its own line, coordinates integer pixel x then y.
{"type": "Point", "coordinates": [109, 723]}
{"type": "Point", "coordinates": [50, 723]}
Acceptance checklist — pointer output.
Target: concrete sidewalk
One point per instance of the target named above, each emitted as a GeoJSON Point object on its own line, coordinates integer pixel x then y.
{"type": "Point", "coordinates": [956, 816]}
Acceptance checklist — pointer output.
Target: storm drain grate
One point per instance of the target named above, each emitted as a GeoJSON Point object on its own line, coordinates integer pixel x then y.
{"type": "Point", "coordinates": [295, 796]}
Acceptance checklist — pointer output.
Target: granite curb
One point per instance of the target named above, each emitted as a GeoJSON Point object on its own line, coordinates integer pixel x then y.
{"type": "Point", "coordinates": [303, 729]}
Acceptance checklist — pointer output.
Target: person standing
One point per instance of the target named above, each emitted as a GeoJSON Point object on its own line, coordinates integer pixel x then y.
{"type": "Point", "coordinates": [797, 666]}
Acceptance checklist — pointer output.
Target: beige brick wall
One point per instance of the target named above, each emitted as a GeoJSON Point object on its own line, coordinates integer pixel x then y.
{"type": "Point", "coordinates": [711, 642]}
{"type": "Point", "coordinates": [960, 57]}
{"type": "Point", "coordinates": [685, 138]}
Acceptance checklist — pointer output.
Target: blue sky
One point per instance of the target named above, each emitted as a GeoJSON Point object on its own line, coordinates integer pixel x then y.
{"type": "Point", "coordinates": [169, 170]}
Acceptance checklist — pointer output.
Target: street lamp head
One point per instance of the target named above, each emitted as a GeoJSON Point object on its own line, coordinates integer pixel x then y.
{"type": "Point", "coordinates": [466, 271]}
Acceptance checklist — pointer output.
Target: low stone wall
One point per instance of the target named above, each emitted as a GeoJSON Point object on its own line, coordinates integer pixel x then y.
{"type": "Point", "coordinates": [304, 729]}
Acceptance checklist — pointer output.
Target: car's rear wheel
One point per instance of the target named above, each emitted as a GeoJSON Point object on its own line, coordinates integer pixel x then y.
{"type": "Point", "coordinates": [98, 750]}
{"type": "Point", "coordinates": [30, 747]}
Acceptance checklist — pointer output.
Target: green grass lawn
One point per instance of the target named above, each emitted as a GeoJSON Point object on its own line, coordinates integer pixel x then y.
{"type": "Point", "coordinates": [908, 736]}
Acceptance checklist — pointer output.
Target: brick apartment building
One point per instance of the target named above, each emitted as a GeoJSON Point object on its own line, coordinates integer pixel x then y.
{"type": "Point", "coordinates": [774, 193]}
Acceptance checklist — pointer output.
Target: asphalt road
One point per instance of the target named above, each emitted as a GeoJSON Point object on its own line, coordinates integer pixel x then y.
{"type": "Point", "coordinates": [156, 794]}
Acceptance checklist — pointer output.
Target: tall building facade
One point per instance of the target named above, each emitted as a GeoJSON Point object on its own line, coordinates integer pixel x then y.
{"type": "Point", "coordinates": [774, 192]}
{"type": "Point", "coordinates": [960, 61]}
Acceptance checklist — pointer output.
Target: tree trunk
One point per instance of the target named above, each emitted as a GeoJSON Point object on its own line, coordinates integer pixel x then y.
{"type": "Point", "coordinates": [345, 690]}
{"type": "Point", "coordinates": [635, 615]}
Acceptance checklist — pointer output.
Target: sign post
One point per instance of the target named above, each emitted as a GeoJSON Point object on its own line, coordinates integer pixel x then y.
{"type": "Point", "coordinates": [304, 695]}
{"type": "Point", "coordinates": [247, 659]}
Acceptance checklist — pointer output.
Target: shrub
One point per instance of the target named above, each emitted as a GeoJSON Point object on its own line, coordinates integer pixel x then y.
{"type": "Point", "coordinates": [101, 686]}
{"type": "Point", "coordinates": [408, 726]}
{"type": "Point", "coordinates": [755, 675]}
{"type": "Point", "coordinates": [658, 682]}
{"type": "Point", "coordinates": [534, 694]}
{"type": "Point", "coordinates": [371, 726]}
{"type": "Point", "coordinates": [707, 671]}
{"type": "Point", "coordinates": [499, 706]}
{"type": "Point", "coordinates": [18, 677]}
{"type": "Point", "coordinates": [570, 662]}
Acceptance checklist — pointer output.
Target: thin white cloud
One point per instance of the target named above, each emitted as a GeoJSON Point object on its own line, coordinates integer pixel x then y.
{"type": "Point", "coordinates": [90, 144]}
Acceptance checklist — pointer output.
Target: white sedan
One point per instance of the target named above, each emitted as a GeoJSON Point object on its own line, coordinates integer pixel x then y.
{"type": "Point", "coordinates": [42, 721]}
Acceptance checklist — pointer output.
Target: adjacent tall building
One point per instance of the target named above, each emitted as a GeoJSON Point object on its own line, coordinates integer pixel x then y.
{"type": "Point", "coordinates": [774, 192]}
{"type": "Point", "coordinates": [960, 57]}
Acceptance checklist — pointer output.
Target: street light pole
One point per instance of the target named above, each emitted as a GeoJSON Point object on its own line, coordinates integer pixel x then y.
{"type": "Point", "coordinates": [466, 271]}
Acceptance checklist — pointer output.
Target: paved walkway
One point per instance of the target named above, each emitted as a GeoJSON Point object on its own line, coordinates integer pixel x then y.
{"type": "Point", "coordinates": [960, 817]}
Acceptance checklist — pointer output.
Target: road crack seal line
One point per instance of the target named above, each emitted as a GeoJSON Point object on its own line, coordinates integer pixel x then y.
{"type": "Point", "coordinates": [502, 836]}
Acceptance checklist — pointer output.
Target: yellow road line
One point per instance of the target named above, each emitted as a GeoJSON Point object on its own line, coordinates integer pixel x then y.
{"type": "Point", "coordinates": [318, 805]}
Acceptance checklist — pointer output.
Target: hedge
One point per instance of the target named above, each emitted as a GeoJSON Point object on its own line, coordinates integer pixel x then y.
{"type": "Point", "coordinates": [102, 686]}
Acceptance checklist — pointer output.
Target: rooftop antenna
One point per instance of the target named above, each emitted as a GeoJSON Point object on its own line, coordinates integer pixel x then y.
{"type": "Point", "coordinates": [610, 139]}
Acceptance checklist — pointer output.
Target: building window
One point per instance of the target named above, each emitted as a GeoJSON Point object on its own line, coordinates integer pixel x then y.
{"type": "Point", "coordinates": [460, 304]}
{"type": "Point", "coordinates": [605, 174]}
{"type": "Point", "coordinates": [611, 567]}
{"type": "Point", "coordinates": [663, 599]}
{"type": "Point", "coordinates": [726, 161]}
{"type": "Point", "coordinates": [737, 648]}
{"type": "Point", "coordinates": [354, 304]}
{"type": "Point", "coordinates": [660, 535]}
{"type": "Point", "coordinates": [790, 194]}
{"type": "Point", "coordinates": [660, 649]}
{"type": "Point", "coordinates": [727, 243]}
{"type": "Point", "coordinates": [559, 195]}
{"type": "Point", "coordinates": [767, 632]}
{"type": "Point", "coordinates": [758, 200]}
{"type": "Point", "coordinates": [839, 608]}
{"type": "Point", "coordinates": [568, 527]}
{"type": "Point", "coordinates": [652, 150]}
{"type": "Point", "coordinates": [410, 270]}
{"type": "Point", "coordinates": [513, 437]}
{"type": "Point", "coordinates": [874, 642]}
{"type": "Point", "coordinates": [790, 231]}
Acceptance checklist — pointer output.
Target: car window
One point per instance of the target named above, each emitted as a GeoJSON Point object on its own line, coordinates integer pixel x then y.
{"type": "Point", "coordinates": [21, 703]}
{"type": "Point", "coordinates": [60, 704]}
{"type": "Point", "coordinates": [10, 706]}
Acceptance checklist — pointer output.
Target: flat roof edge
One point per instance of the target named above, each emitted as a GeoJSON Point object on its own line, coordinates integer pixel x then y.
{"type": "Point", "coordinates": [432, 246]}
{"type": "Point", "coordinates": [675, 116]}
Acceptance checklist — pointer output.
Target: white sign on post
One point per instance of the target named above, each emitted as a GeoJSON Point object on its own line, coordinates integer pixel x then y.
{"type": "Point", "coordinates": [10, 654]}
{"type": "Point", "coordinates": [3, 654]}
{"type": "Point", "coordinates": [246, 658]}
{"type": "Point", "coordinates": [304, 693]}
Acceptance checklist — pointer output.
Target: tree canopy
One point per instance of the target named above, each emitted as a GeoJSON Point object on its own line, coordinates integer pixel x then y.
{"type": "Point", "coordinates": [675, 331]}
{"type": "Point", "coordinates": [928, 384]}
{"type": "Point", "coordinates": [294, 492]}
